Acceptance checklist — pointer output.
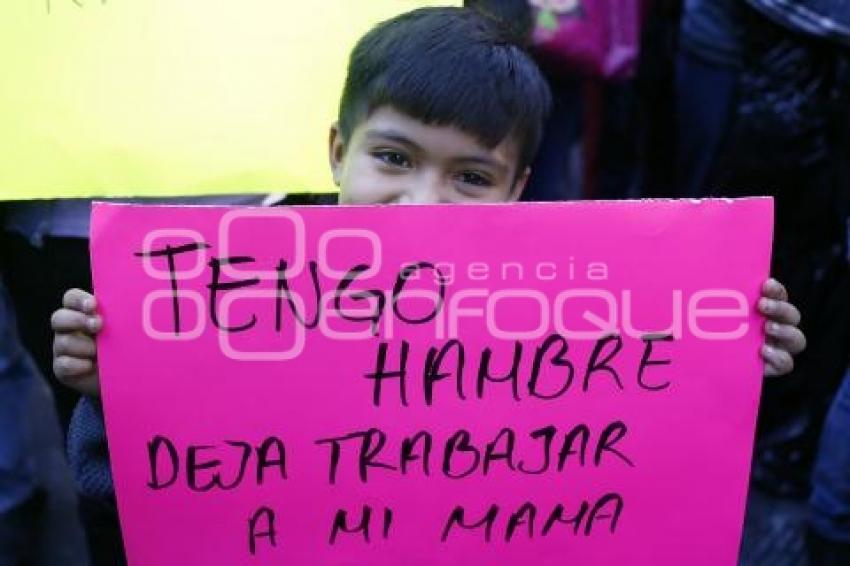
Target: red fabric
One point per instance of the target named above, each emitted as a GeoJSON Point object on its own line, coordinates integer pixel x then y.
{"type": "Point", "coordinates": [594, 38]}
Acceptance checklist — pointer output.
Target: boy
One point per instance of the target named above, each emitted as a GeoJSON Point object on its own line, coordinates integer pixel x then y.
{"type": "Point", "coordinates": [439, 106]}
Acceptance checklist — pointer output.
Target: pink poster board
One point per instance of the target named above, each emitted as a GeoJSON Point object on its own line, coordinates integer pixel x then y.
{"type": "Point", "coordinates": [564, 383]}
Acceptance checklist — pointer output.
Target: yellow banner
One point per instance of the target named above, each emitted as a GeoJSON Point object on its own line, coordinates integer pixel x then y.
{"type": "Point", "coordinates": [173, 97]}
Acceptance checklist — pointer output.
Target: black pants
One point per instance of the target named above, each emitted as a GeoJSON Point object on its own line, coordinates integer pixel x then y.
{"type": "Point", "coordinates": [19, 531]}
{"type": "Point", "coordinates": [103, 532]}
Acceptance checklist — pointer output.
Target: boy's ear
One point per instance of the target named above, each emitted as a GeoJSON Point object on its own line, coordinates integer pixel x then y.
{"type": "Point", "coordinates": [336, 152]}
{"type": "Point", "coordinates": [519, 185]}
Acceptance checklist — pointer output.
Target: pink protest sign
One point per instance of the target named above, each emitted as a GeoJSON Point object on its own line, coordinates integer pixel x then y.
{"type": "Point", "coordinates": [503, 384]}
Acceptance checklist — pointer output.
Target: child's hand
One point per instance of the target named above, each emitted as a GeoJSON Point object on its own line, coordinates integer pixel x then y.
{"type": "Point", "coordinates": [784, 339]}
{"type": "Point", "coordinates": [74, 350]}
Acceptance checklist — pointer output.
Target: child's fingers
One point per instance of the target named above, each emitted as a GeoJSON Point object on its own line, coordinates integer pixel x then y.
{"type": "Point", "coordinates": [70, 368]}
{"type": "Point", "coordinates": [79, 300]}
{"type": "Point", "coordinates": [779, 311]}
{"type": "Point", "coordinates": [67, 320]}
{"type": "Point", "coordinates": [80, 375]}
{"type": "Point", "coordinates": [786, 337]}
{"type": "Point", "coordinates": [75, 345]}
{"type": "Point", "coordinates": [779, 362]}
{"type": "Point", "coordinates": [773, 289]}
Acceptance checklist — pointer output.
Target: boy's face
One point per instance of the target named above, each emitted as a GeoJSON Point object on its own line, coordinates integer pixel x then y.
{"type": "Point", "coordinates": [393, 158]}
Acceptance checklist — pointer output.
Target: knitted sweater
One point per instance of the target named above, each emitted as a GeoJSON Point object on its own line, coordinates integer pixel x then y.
{"type": "Point", "coordinates": [89, 454]}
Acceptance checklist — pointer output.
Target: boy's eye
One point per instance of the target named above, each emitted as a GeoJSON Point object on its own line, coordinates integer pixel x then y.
{"type": "Point", "coordinates": [393, 158]}
{"type": "Point", "coordinates": [475, 178]}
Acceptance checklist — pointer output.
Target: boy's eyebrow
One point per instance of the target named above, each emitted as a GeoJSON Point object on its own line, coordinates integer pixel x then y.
{"type": "Point", "coordinates": [394, 136]}
{"type": "Point", "coordinates": [486, 161]}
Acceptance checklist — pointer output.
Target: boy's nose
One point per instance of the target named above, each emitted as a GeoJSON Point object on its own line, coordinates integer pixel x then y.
{"type": "Point", "coordinates": [427, 189]}
{"type": "Point", "coordinates": [420, 197]}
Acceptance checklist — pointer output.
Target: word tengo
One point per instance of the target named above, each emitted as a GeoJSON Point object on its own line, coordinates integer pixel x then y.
{"type": "Point", "coordinates": [361, 302]}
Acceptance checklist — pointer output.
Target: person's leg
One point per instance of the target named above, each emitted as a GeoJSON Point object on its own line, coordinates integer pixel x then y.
{"type": "Point", "coordinates": [829, 540]}
{"type": "Point", "coordinates": [552, 177]}
{"type": "Point", "coordinates": [61, 536]}
{"type": "Point", "coordinates": [21, 502]}
{"type": "Point", "coordinates": [705, 94]}
{"type": "Point", "coordinates": [37, 277]}
{"type": "Point", "coordinates": [39, 523]}
{"type": "Point", "coordinates": [21, 498]}
{"type": "Point", "coordinates": [103, 533]}
{"type": "Point", "coordinates": [618, 166]}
